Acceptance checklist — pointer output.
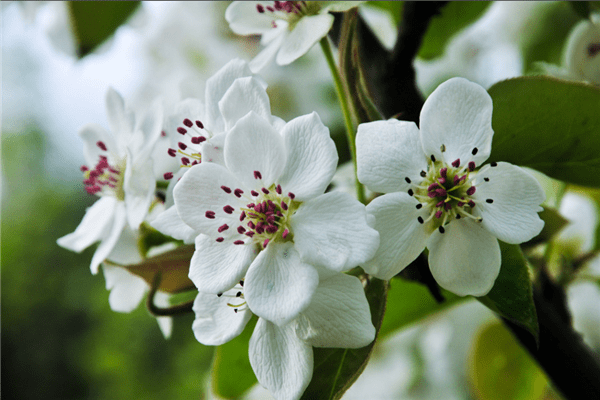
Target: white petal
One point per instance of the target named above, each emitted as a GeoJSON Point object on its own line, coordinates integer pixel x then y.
{"type": "Point", "coordinates": [308, 31]}
{"type": "Point", "coordinates": [338, 316]}
{"type": "Point", "coordinates": [244, 18]}
{"type": "Point", "coordinates": [267, 54]}
{"type": "Point", "coordinates": [212, 149]}
{"type": "Point", "coordinates": [402, 237]}
{"type": "Point", "coordinates": [126, 289]}
{"type": "Point", "coordinates": [278, 285]}
{"type": "Point", "coordinates": [120, 121]}
{"type": "Point", "coordinates": [312, 157]}
{"type": "Point", "coordinates": [253, 145]}
{"type": "Point", "coordinates": [216, 322]}
{"type": "Point", "coordinates": [332, 231]}
{"type": "Point", "coordinates": [199, 191]}
{"type": "Point", "coordinates": [139, 186]}
{"type": "Point", "coordinates": [108, 242]}
{"type": "Point", "coordinates": [91, 135]}
{"type": "Point", "coordinates": [216, 86]}
{"type": "Point", "coordinates": [94, 226]}
{"type": "Point", "coordinates": [282, 362]}
{"type": "Point", "coordinates": [169, 223]}
{"type": "Point", "coordinates": [388, 152]}
{"type": "Point", "coordinates": [216, 267]}
{"type": "Point", "coordinates": [245, 95]}
{"type": "Point", "coordinates": [126, 250]}
{"type": "Point", "coordinates": [458, 114]}
{"type": "Point", "coordinates": [465, 259]}
{"type": "Point", "coordinates": [513, 215]}
{"type": "Point", "coordinates": [338, 6]}
{"type": "Point", "coordinates": [150, 125]}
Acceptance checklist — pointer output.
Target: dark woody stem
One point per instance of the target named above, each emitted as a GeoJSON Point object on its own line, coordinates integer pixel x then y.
{"type": "Point", "coordinates": [156, 311]}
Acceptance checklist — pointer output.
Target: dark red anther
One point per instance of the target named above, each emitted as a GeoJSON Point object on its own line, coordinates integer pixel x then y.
{"type": "Point", "coordinates": [471, 190]}
{"type": "Point", "coordinates": [471, 203]}
{"type": "Point", "coordinates": [220, 239]}
{"type": "Point", "coordinates": [265, 190]}
{"type": "Point", "coordinates": [285, 233]}
{"type": "Point", "coordinates": [168, 175]}
{"type": "Point", "coordinates": [471, 166]}
{"type": "Point", "coordinates": [228, 209]}
{"type": "Point", "coordinates": [83, 168]}
{"type": "Point", "coordinates": [443, 172]}
{"type": "Point", "coordinates": [441, 192]}
{"type": "Point", "coordinates": [187, 122]}
{"type": "Point", "coordinates": [101, 145]}
{"type": "Point", "coordinates": [238, 242]}
{"type": "Point", "coordinates": [181, 130]}
{"type": "Point", "coordinates": [249, 234]}
{"type": "Point", "coordinates": [438, 214]}
{"type": "Point", "coordinates": [182, 146]}
{"type": "Point", "coordinates": [260, 8]}
{"type": "Point", "coordinates": [265, 243]}
{"type": "Point", "coordinates": [283, 205]}
{"type": "Point", "coordinates": [447, 206]}
{"type": "Point", "coordinates": [432, 186]}
{"type": "Point", "coordinates": [210, 214]}
{"type": "Point", "coordinates": [278, 189]}
{"type": "Point", "coordinates": [222, 228]}
{"type": "Point", "coordinates": [271, 219]}
{"type": "Point", "coordinates": [242, 216]}
{"type": "Point", "coordinates": [185, 160]}
{"type": "Point", "coordinates": [226, 189]}
{"type": "Point", "coordinates": [251, 225]}
{"type": "Point", "coordinates": [195, 162]}
{"type": "Point", "coordinates": [291, 195]}
{"type": "Point", "coordinates": [456, 163]}
{"type": "Point", "coordinates": [257, 175]}
{"type": "Point", "coordinates": [172, 152]}
{"type": "Point", "coordinates": [271, 229]}
{"type": "Point", "coordinates": [254, 193]}
{"type": "Point", "coordinates": [238, 193]}
{"type": "Point", "coordinates": [241, 230]}
{"type": "Point", "coordinates": [199, 124]}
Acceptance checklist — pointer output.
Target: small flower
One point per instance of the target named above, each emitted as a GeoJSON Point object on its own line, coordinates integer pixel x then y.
{"type": "Point", "coordinates": [119, 171]}
{"type": "Point", "coordinates": [199, 130]}
{"type": "Point", "coordinates": [581, 58]}
{"type": "Point", "coordinates": [439, 197]}
{"type": "Point", "coordinates": [289, 28]}
{"type": "Point", "coordinates": [282, 356]}
{"type": "Point", "coordinates": [263, 216]}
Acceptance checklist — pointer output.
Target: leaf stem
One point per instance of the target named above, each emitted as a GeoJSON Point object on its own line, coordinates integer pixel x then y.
{"type": "Point", "coordinates": [339, 88]}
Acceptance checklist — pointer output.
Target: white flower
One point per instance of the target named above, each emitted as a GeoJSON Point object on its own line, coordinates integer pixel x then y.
{"type": "Point", "coordinates": [436, 197]}
{"type": "Point", "coordinates": [119, 170]}
{"type": "Point", "coordinates": [282, 356]}
{"type": "Point", "coordinates": [581, 58]}
{"type": "Point", "coordinates": [200, 130]}
{"type": "Point", "coordinates": [289, 28]}
{"type": "Point", "coordinates": [264, 216]}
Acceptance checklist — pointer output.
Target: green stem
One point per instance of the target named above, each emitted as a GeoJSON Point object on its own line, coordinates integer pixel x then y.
{"type": "Point", "coordinates": [339, 89]}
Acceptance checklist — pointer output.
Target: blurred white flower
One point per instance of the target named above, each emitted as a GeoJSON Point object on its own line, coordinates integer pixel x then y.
{"type": "Point", "coordinates": [288, 28]}
{"type": "Point", "coordinates": [282, 356]}
{"type": "Point", "coordinates": [119, 170]}
{"type": "Point", "coordinates": [436, 197]}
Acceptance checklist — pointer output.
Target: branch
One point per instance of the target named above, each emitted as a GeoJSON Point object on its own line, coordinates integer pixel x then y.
{"type": "Point", "coordinates": [156, 311]}
{"type": "Point", "coordinates": [569, 363]}
{"type": "Point", "coordinates": [391, 76]}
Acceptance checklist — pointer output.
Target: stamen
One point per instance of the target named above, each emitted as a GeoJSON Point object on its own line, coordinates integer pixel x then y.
{"type": "Point", "coordinates": [471, 190]}
{"type": "Point", "coordinates": [199, 125]}
{"type": "Point", "coordinates": [228, 209]}
{"type": "Point", "coordinates": [242, 216]}
{"type": "Point", "coordinates": [101, 145]}
{"type": "Point", "coordinates": [181, 130]}
{"type": "Point", "coordinates": [223, 227]}
{"type": "Point", "coordinates": [265, 243]}
{"type": "Point", "coordinates": [238, 193]}
{"type": "Point", "coordinates": [168, 175]}
{"type": "Point", "coordinates": [226, 189]}
{"type": "Point", "coordinates": [291, 195]}
{"type": "Point", "coordinates": [419, 206]}
{"type": "Point", "coordinates": [210, 214]}
{"type": "Point", "coordinates": [241, 230]}
{"type": "Point", "coordinates": [423, 174]}
{"type": "Point", "coordinates": [420, 219]}
{"type": "Point", "coordinates": [257, 175]}
{"type": "Point", "coordinates": [474, 151]}
{"type": "Point", "coordinates": [265, 191]}
{"type": "Point", "coordinates": [254, 193]}
{"type": "Point", "coordinates": [187, 122]}
{"type": "Point", "coordinates": [494, 164]}
{"type": "Point", "coordinates": [442, 230]}
{"type": "Point", "coordinates": [285, 233]}
{"type": "Point", "coordinates": [471, 166]}
{"type": "Point", "coordinates": [489, 201]}
{"type": "Point", "coordinates": [182, 146]}
{"type": "Point", "coordinates": [410, 192]}
{"type": "Point", "coordinates": [238, 242]}
{"type": "Point", "coordinates": [220, 239]}
{"type": "Point", "coordinates": [278, 189]}
{"type": "Point", "coordinates": [456, 163]}
{"type": "Point", "coordinates": [260, 8]}
{"type": "Point", "coordinates": [486, 179]}
{"type": "Point", "coordinates": [407, 179]}
{"type": "Point", "coordinates": [432, 158]}
{"type": "Point", "coordinates": [172, 152]}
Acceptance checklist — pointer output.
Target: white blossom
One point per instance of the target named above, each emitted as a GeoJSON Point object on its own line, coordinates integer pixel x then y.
{"type": "Point", "coordinates": [264, 216]}
{"type": "Point", "coordinates": [120, 171]}
{"type": "Point", "coordinates": [436, 195]}
{"type": "Point", "coordinates": [288, 28]}
{"type": "Point", "coordinates": [282, 356]}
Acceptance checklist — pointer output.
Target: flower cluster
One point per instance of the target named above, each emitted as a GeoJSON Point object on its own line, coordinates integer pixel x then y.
{"type": "Point", "coordinates": [250, 192]}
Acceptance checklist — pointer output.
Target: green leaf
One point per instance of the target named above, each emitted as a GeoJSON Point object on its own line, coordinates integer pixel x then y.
{"type": "Point", "coordinates": [409, 302]}
{"type": "Point", "coordinates": [95, 21]}
{"type": "Point", "coordinates": [335, 370]}
{"type": "Point", "coordinates": [550, 125]}
{"type": "Point", "coordinates": [232, 372]}
{"type": "Point", "coordinates": [455, 16]}
{"type": "Point", "coordinates": [500, 368]}
{"type": "Point", "coordinates": [512, 295]}
{"type": "Point", "coordinates": [553, 223]}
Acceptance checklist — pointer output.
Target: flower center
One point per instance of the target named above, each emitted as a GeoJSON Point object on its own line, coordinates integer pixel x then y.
{"type": "Point", "coordinates": [189, 153]}
{"type": "Point", "coordinates": [446, 192]}
{"type": "Point", "coordinates": [104, 179]}
{"type": "Point", "coordinates": [290, 11]}
{"type": "Point", "coordinates": [264, 219]}
{"type": "Point", "coordinates": [238, 303]}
